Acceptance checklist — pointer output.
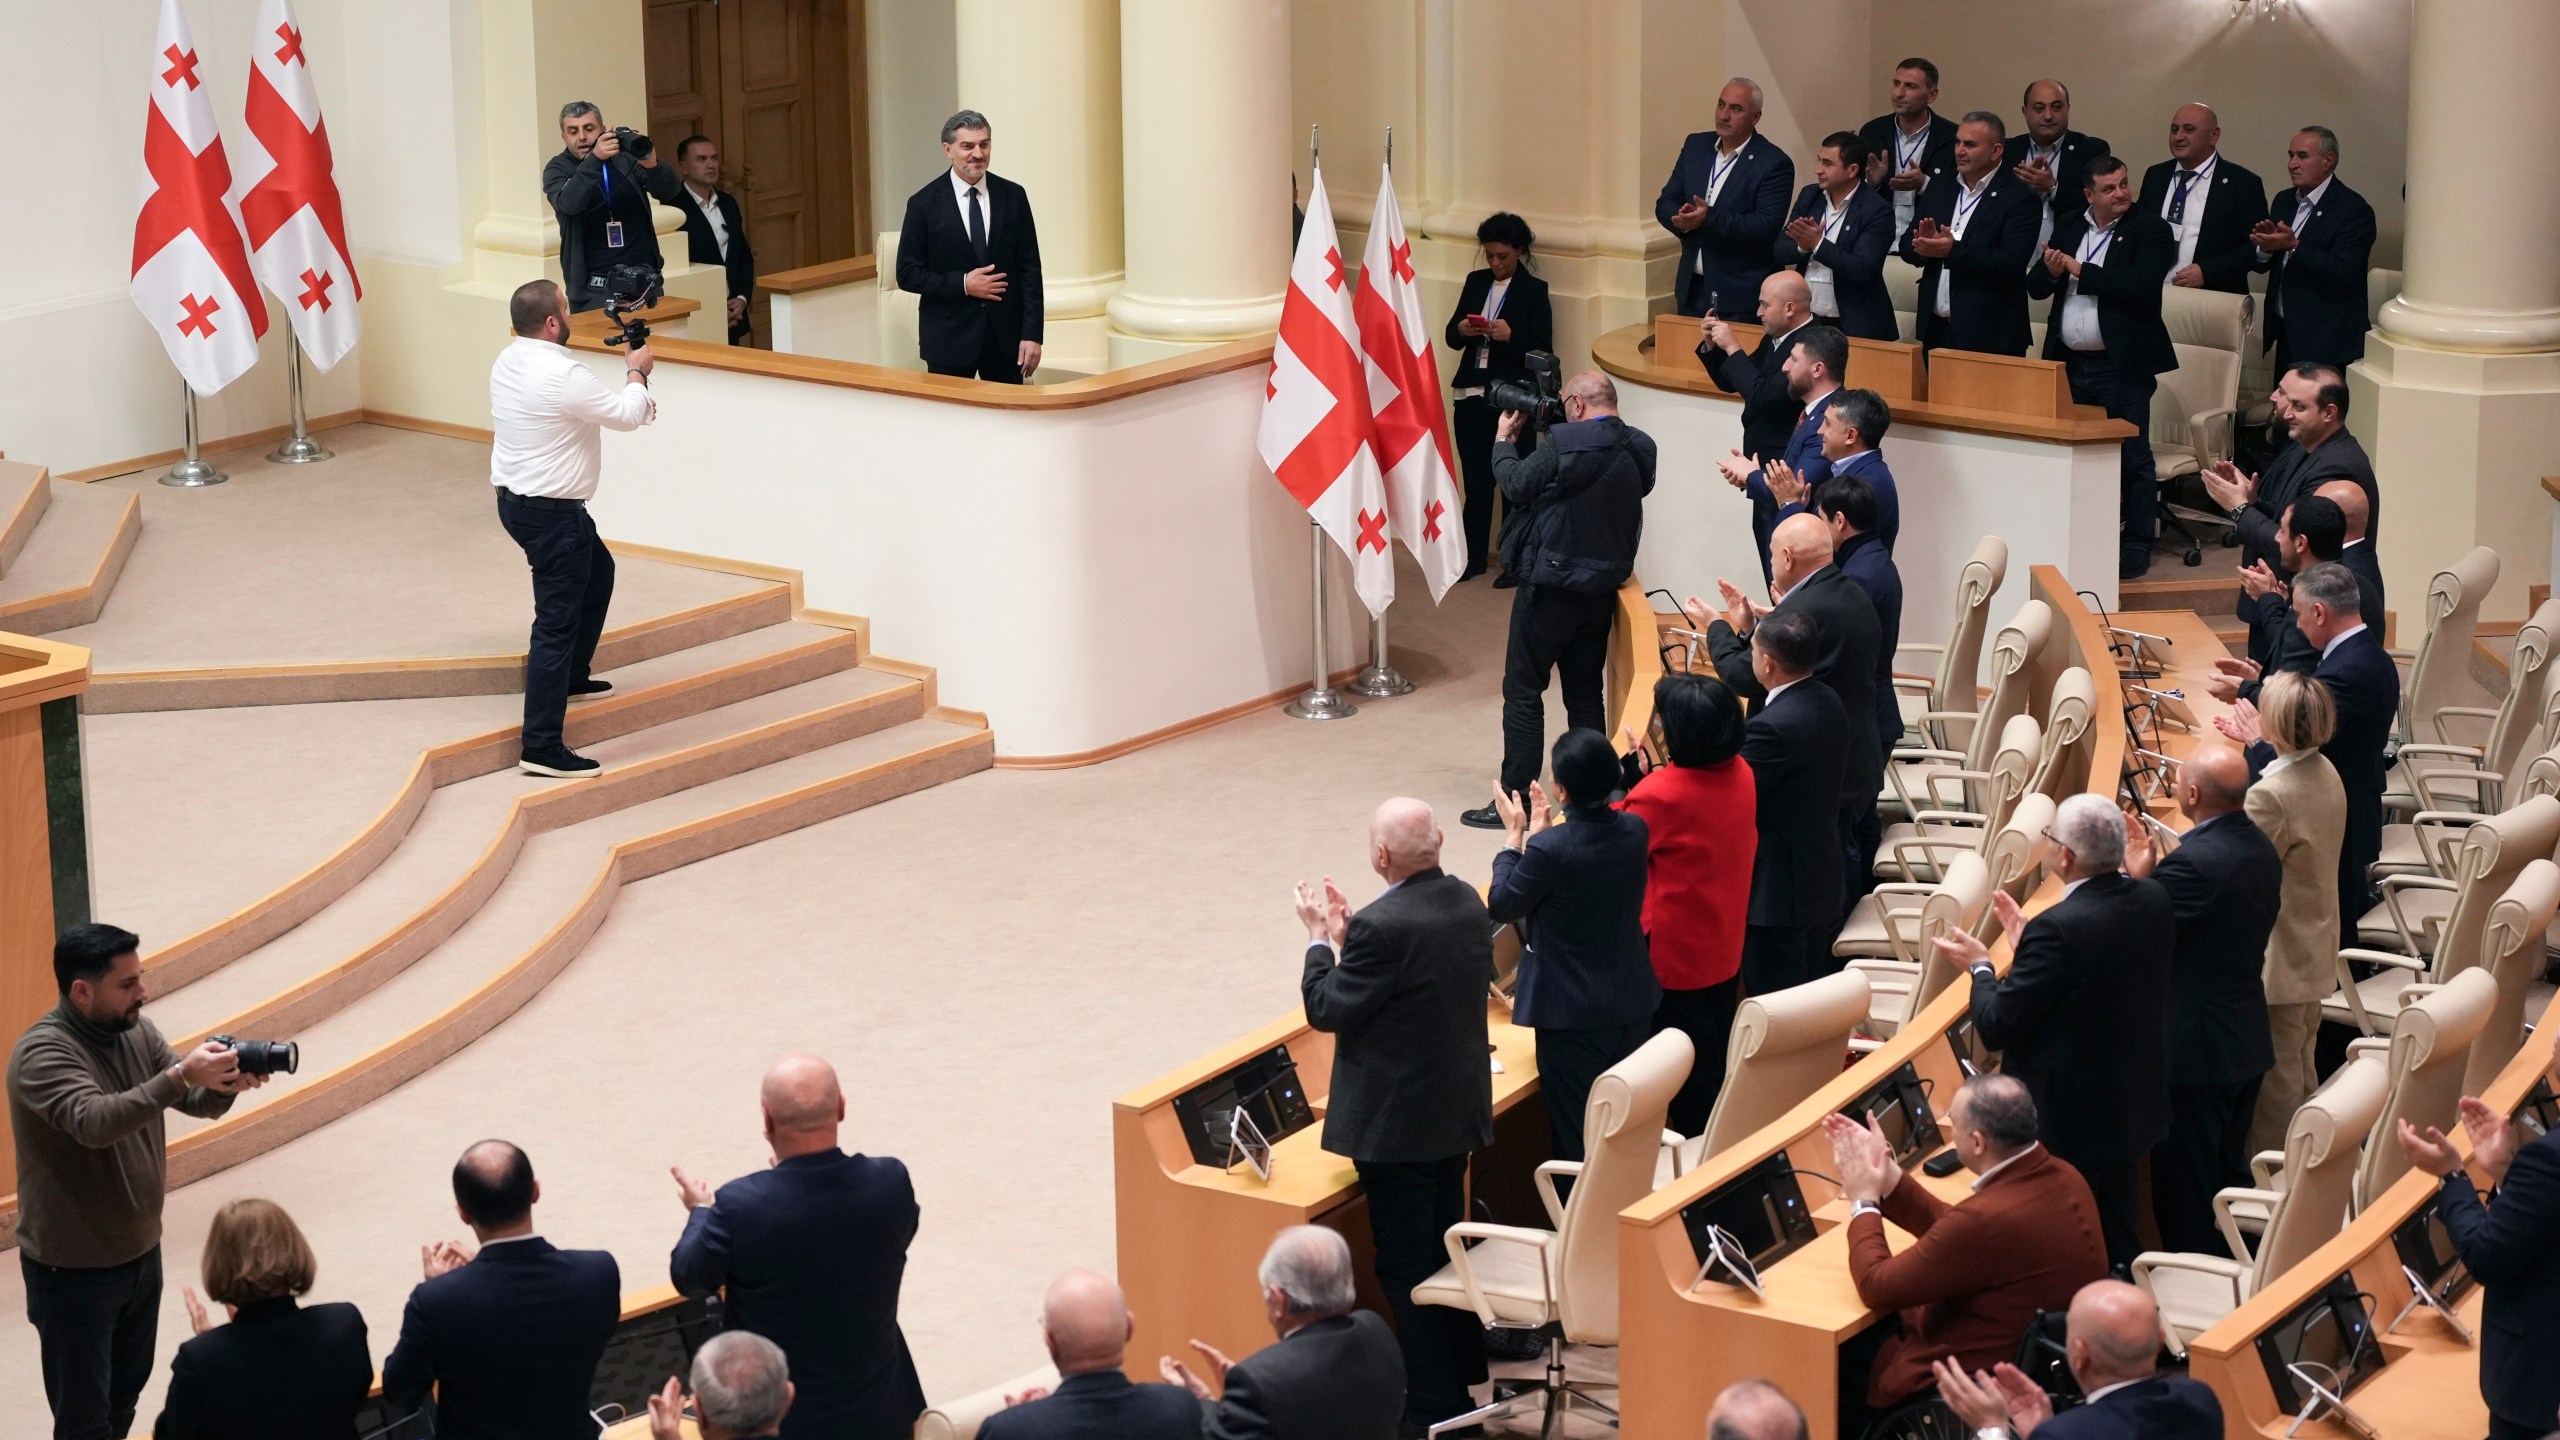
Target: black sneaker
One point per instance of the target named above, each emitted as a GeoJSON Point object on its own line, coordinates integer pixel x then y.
{"type": "Point", "coordinates": [1486, 818]}
{"type": "Point", "coordinates": [590, 689]}
{"type": "Point", "coordinates": [559, 762]}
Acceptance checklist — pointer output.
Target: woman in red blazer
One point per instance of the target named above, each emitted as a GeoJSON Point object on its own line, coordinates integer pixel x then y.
{"type": "Point", "coordinates": [1699, 809]}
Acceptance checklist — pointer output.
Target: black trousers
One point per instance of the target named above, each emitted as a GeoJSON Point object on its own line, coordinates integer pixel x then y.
{"type": "Point", "coordinates": [572, 586]}
{"type": "Point", "coordinates": [2502, 1428]}
{"type": "Point", "coordinates": [1471, 431]}
{"type": "Point", "coordinates": [2118, 1190]}
{"type": "Point", "coordinates": [1411, 1207]}
{"type": "Point", "coordinates": [1552, 631]}
{"type": "Point", "coordinates": [2206, 1149]}
{"type": "Point", "coordinates": [999, 358]}
{"type": "Point", "coordinates": [94, 1330]}
{"type": "Point", "coordinates": [1568, 1062]}
{"type": "Point", "coordinates": [1775, 957]}
{"type": "Point", "coordinates": [1706, 1017]}
{"type": "Point", "coordinates": [2124, 395]}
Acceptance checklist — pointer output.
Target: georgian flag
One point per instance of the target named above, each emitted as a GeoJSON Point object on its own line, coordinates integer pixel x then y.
{"type": "Point", "coordinates": [191, 276]}
{"type": "Point", "coordinates": [1316, 433]}
{"type": "Point", "coordinates": [288, 193]}
{"type": "Point", "coordinates": [1404, 397]}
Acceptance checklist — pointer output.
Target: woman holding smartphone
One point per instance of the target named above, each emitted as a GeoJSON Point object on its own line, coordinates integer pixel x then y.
{"type": "Point", "coordinates": [1502, 315]}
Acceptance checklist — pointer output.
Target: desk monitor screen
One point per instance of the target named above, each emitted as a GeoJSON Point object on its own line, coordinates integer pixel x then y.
{"type": "Point", "coordinates": [1900, 1107]}
{"type": "Point", "coordinates": [2427, 1252]}
{"type": "Point", "coordinates": [2331, 1332]}
{"type": "Point", "coordinates": [1266, 1086]}
{"type": "Point", "coordinates": [2541, 1109]}
{"type": "Point", "coordinates": [1763, 1208]}
{"type": "Point", "coordinates": [1960, 1041]}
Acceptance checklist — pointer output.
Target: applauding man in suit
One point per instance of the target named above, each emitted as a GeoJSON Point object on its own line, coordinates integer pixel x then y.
{"type": "Point", "coordinates": [1809, 372]}
{"type": "Point", "coordinates": [1726, 201]}
{"type": "Point", "coordinates": [2314, 246]}
{"type": "Point", "coordinates": [2113, 1348]}
{"type": "Point", "coordinates": [1910, 147]}
{"type": "Point", "coordinates": [969, 248]}
{"type": "Point", "coordinates": [1796, 743]}
{"type": "Point", "coordinates": [1838, 235]}
{"type": "Point", "coordinates": [2211, 203]}
{"type": "Point", "coordinates": [2051, 158]}
{"type": "Point", "coordinates": [1084, 1322]}
{"type": "Point", "coordinates": [1972, 240]}
{"type": "Point", "coordinates": [1334, 1373]}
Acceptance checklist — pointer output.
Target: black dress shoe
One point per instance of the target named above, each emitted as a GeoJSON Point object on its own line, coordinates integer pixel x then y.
{"type": "Point", "coordinates": [1505, 581]}
{"type": "Point", "coordinates": [1486, 818]}
{"type": "Point", "coordinates": [1470, 573]}
{"type": "Point", "coordinates": [590, 689]}
{"type": "Point", "coordinates": [558, 762]}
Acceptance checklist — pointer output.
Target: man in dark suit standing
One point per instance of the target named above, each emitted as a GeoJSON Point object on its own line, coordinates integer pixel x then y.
{"type": "Point", "coordinates": [506, 1340]}
{"type": "Point", "coordinates": [600, 195]}
{"type": "Point", "coordinates": [1084, 1321]}
{"type": "Point", "coordinates": [2083, 1014]}
{"type": "Point", "coordinates": [1769, 404]}
{"type": "Point", "coordinates": [810, 1252]}
{"type": "Point", "coordinates": [1847, 430]}
{"type": "Point", "coordinates": [1837, 236]}
{"type": "Point", "coordinates": [2224, 878]}
{"type": "Point", "coordinates": [716, 229]}
{"type": "Point", "coordinates": [2314, 245]}
{"type": "Point", "coordinates": [1911, 145]}
{"type": "Point", "coordinates": [969, 248]}
{"type": "Point", "coordinates": [2113, 1349]}
{"type": "Point", "coordinates": [2312, 531]}
{"type": "Point", "coordinates": [1973, 239]}
{"type": "Point", "coordinates": [1796, 743]}
{"type": "Point", "coordinates": [2104, 272]}
{"type": "Point", "coordinates": [2211, 203]}
{"type": "Point", "coordinates": [1335, 1373]}
{"type": "Point", "coordinates": [1847, 503]}
{"type": "Point", "coordinates": [1401, 988]}
{"type": "Point", "coordinates": [2511, 1244]}
{"type": "Point", "coordinates": [2310, 405]}
{"type": "Point", "coordinates": [2051, 158]}
{"type": "Point", "coordinates": [1726, 201]}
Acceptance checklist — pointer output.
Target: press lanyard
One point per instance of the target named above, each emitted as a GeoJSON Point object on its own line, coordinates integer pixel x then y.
{"type": "Point", "coordinates": [612, 226]}
{"type": "Point", "coordinates": [1717, 170]}
{"type": "Point", "coordinates": [1964, 209]}
{"type": "Point", "coordinates": [1907, 149]}
{"type": "Point", "coordinates": [2093, 254]}
{"type": "Point", "coordinates": [1831, 223]}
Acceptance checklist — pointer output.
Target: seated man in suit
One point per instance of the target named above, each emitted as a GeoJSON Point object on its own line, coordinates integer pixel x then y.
{"type": "Point", "coordinates": [741, 1391]}
{"type": "Point", "coordinates": [1972, 241]}
{"type": "Point", "coordinates": [2314, 246]}
{"type": "Point", "coordinates": [1809, 372]}
{"type": "Point", "coordinates": [2225, 879]}
{"type": "Point", "coordinates": [2083, 1014]}
{"type": "Point", "coordinates": [1084, 1321]}
{"type": "Point", "coordinates": [1838, 236]}
{"type": "Point", "coordinates": [508, 1339]}
{"type": "Point", "coordinates": [2310, 406]}
{"type": "Point", "coordinates": [1796, 743]}
{"type": "Point", "coordinates": [1401, 988]}
{"type": "Point", "coordinates": [2113, 1348]}
{"type": "Point", "coordinates": [1335, 1372]}
{"type": "Point", "coordinates": [716, 230]}
{"type": "Point", "coordinates": [2103, 272]}
{"type": "Point", "coordinates": [2050, 157]}
{"type": "Point", "coordinates": [810, 1252]}
{"type": "Point", "coordinates": [1974, 1274]}
{"type": "Point", "coordinates": [1848, 504]}
{"type": "Point", "coordinates": [1725, 201]}
{"type": "Point", "coordinates": [968, 246]}
{"type": "Point", "coordinates": [2212, 204]}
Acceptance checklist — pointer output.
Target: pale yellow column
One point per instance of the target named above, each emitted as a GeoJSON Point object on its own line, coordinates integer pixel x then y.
{"type": "Point", "coordinates": [2458, 397]}
{"type": "Point", "coordinates": [1046, 74]}
{"type": "Point", "coordinates": [1205, 152]}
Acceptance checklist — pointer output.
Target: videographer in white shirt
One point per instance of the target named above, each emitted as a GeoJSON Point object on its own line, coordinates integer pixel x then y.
{"type": "Point", "coordinates": [547, 410]}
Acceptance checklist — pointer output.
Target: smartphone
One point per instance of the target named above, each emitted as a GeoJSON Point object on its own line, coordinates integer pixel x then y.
{"type": "Point", "coordinates": [1480, 320]}
{"type": "Point", "coordinates": [1943, 1164]}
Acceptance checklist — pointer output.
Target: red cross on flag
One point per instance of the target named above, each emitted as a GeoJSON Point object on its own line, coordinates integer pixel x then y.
{"type": "Point", "coordinates": [191, 275]}
{"type": "Point", "coordinates": [288, 192]}
{"type": "Point", "coordinates": [1404, 395]}
{"type": "Point", "coordinates": [1316, 434]}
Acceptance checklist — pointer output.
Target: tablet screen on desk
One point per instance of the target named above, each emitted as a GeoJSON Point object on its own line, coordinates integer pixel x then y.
{"type": "Point", "coordinates": [2332, 1332]}
{"type": "Point", "coordinates": [1763, 1209]}
{"type": "Point", "coordinates": [2541, 1110]}
{"type": "Point", "coordinates": [2426, 1251]}
{"type": "Point", "coordinates": [1900, 1107]}
{"type": "Point", "coordinates": [1266, 1086]}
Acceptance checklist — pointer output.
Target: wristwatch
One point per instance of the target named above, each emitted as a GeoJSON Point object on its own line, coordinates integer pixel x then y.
{"type": "Point", "coordinates": [1983, 973]}
{"type": "Point", "coordinates": [1864, 1207]}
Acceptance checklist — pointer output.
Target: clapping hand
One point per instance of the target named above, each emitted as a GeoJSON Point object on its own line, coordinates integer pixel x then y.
{"type": "Point", "coordinates": [1691, 214]}
{"type": "Point", "coordinates": [1864, 1158]}
{"type": "Point", "coordinates": [1910, 177]}
{"type": "Point", "coordinates": [1806, 231]}
{"type": "Point", "coordinates": [2006, 910]}
{"type": "Point", "coordinates": [2057, 262]}
{"type": "Point", "coordinates": [1961, 949]}
{"type": "Point", "coordinates": [694, 1193]}
{"type": "Point", "coordinates": [2493, 1139]}
{"type": "Point", "coordinates": [2141, 852]}
{"type": "Point", "coordinates": [2036, 175]}
{"type": "Point", "coordinates": [2258, 582]}
{"type": "Point", "coordinates": [1992, 1399]}
{"type": "Point", "coordinates": [2428, 1150]}
{"type": "Point", "coordinates": [2241, 725]}
{"type": "Point", "coordinates": [442, 1258]}
{"type": "Point", "coordinates": [1520, 821]}
{"type": "Point", "coordinates": [2273, 236]}
{"type": "Point", "coordinates": [666, 1411]}
{"type": "Point", "coordinates": [196, 1317]}
{"type": "Point", "coordinates": [1177, 1373]}
{"type": "Point", "coordinates": [2229, 488]}
{"type": "Point", "coordinates": [1739, 612]}
{"type": "Point", "coordinates": [1631, 743]}
{"type": "Point", "coordinates": [1785, 485]}
{"type": "Point", "coordinates": [1325, 913]}
{"type": "Point", "coordinates": [2229, 674]}
{"type": "Point", "coordinates": [1737, 468]}
{"type": "Point", "coordinates": [1930, 240]}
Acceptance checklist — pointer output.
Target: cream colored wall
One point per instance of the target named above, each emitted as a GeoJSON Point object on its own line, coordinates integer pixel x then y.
{"type": "Point", "coordinates": [911, 52]}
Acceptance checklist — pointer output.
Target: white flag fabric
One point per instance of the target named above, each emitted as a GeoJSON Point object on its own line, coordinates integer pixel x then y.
{"type": "Point", "coordinates": [1316, 431]}
{"type": "Point", "coordinates": [191, 276]}
{"type": "Point", "coordinates": [1404, 394]}
{"type": "Point", "coordinates": [288, 193]}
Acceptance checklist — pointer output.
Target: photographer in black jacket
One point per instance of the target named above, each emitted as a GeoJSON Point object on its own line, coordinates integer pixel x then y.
{"type": "Point", "coordinates": [601, 192]}
{"type": "Point", "coordinates": [1577, 504]}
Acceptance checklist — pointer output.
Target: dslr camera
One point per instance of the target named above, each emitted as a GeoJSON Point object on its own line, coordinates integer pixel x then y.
{"type": "Point", "coordinates": [1540, 397]}
{"type": "Point", "coordinates": [634, 144]}
{"type": "Point", "coordinates": [629, 289]}
{"type": "Point", "coordinates": [262, 1057]}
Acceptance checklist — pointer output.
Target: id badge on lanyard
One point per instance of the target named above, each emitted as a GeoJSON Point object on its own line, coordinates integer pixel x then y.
{"type": "Point", "coordinates": [612, 227]}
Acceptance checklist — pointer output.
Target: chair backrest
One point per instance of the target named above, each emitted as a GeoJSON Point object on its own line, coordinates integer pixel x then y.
{"type": "Point", "coordinates": [2013, 850]}
{"type": "Point", "coordinates": [2494, 852]}
{"type": "Point", "coordinates": [2066, 722]}
{"type": "Point", "coordinates": [2542, 772]}
{"type": "Point", "coordinates": [2522, 716]}
{"type": "Point", "coordinates": [2511, 951]}
{"type": "Point", "coordinates": [2321, 1147]}
{"type": "Point", "coordinates": [1958, 903]}
{"type": "Point", "coordinates": [2018, 642]}
{"type": "Point", "coordinates": [2211, 319]}
{"type": "Point", "coordinates": [2021, 745]}
{"type": "Point", "coordinates": [1622, 1143]}
{"type": "Point", "coordinates": [2206, 380]}
{"type": "Point", "coordinates": [2444, 656]}
{"type": "Point", "coordinates": [2430, 1053]}
{"type": "Point", "coordinates": [1961, 661]}
{"type": "Point", "coordinates": [1785, 1045]}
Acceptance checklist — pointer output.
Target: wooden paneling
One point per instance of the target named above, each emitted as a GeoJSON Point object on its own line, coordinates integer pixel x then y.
{"type": "Point", "coordinates": [682, 41]}
{"type": "Point", "coordinates": [32, 673]}
{"type": "Point", "coordinates": [2005, 384]}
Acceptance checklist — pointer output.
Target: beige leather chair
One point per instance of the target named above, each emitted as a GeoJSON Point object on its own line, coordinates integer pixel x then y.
{"type": "Point", "coordinates": [1517, 1278]}
{"type": "Point", "coordinates": [1785, 1045]}
{"type": "Point", "coordinates": [1966, 808]}
{"type": "Point", "coordinates": [1895, 982]}
{"type": "Point", "coordinates": [1954, 692]}
{"type": "Point", "coordinates": [2442, 661]}
{"type": "Point", "coordinates": [2512, 952]}
{"type": "Point", "coordinates": [959, 1419]}
{"type": "Point", "coordinates": [2197, 405]}
{"type": "Point", "coordinates": [2321, 1148]}
{"type": "Point", "coordinates": [2449, 783]}
{"type": "Point", "coordinates": [2430, 1054]}
{"type": "Point", "coordinates": [2067, 712]}
{"type": "Point", "coordinates": [2437, 924]}
{"type": "Point", "coordinates": [1907, 768]}
{"type": "Point", "coordinates": [1902, 282]}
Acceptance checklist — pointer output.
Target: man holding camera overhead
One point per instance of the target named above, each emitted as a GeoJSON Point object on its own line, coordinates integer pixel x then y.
{"type": "Point", "coordinates": [600, 187]}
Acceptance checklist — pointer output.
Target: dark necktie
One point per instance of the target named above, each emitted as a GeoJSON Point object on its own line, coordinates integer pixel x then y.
{"type": "Point", "coordinates": [2178, 201]}
{"type": "Point", "coordinates": [977, 226]}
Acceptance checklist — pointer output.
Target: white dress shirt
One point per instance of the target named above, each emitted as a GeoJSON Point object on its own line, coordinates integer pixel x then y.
{"type": "Point", "coordinates": [709, 205]}
{"type": "Point", "coordinates": [2080, 312]}
{"type": "Point", "coordinates": [2192, 226]}
{"type": "Point", "coordinates": [2051, 155]}
{"type": "Point", "coordinates": [1968, 200]}
{"type": "Point", "coordinates": [1719, 167]}
{"type": "Point", "coordinates": [2340, 638]}
{"type": "Point", "coordinates": [1817, 276]}
{"type": "Point", "coordinates": [545, 406]}
{"type": "Point", "coordinates": [986, 205]}
{"type": "Point", "coordinates": [1908, 150]}
{"type": "Point", "coordinates": [2303, 205]}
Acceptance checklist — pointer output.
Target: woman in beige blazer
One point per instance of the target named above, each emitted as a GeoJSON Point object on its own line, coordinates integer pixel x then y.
{"type": "Point", "coordinates": [2300, 804]}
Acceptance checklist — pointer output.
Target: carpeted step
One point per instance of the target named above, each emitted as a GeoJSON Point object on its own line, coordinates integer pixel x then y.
{"type": "Point", "coordinates": [24, 494]}
{"type": "Point", "coordinates": [68, 566]}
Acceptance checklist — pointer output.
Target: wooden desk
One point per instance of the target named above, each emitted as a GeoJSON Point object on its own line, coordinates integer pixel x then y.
{"type": "Point", "coordinates": [2185, 663]}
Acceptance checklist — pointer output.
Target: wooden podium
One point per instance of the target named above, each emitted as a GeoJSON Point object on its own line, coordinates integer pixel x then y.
{"type": "Point", "coordinates": [44, 835]}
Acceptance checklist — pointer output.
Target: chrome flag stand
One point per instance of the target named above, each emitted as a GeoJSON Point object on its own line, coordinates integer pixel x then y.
{"type": "Point", "coordinates": [298, 448]}
{"type": "Point", "coordinates": [1380, 679]}
{"type": "Point", "coordinates": [1322, 701]}
{"type": "Point", "coordinates": [192, 471]}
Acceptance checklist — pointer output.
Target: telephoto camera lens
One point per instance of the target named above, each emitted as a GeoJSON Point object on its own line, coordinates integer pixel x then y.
{"type": "Point", "coordinates": [634, 144]}
{"type": "Point", "coordinates": [262, 1057]}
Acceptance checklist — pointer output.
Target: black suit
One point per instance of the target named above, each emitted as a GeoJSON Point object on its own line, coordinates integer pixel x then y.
{"type": "Point", "coordinates": [1854, 253]}
{"type": "Point", "coordinates": [1723, 261]}
{"type": "Point", "coordinates": [508, 1343]}
{"type": "Point", "coordinates": [1769, 412]}
{"type": "Point", "coordinates": [1411, 1096]}
{"type": "Point", "coordinates": [1340, 1378]}
{"type": "Point", "coordinates": [2224, 880]}
{"type": "Point", "coordinates": [1987, 269]}
{"type": "Point", "coordinates": [2277, 644]}
{"type": "Point", "coordinates": [2082, 1019]}
{"type": "Point", "coordinates": [1796, 744]}
{"type": "Point", "coordinates": [2160, 1408]}
{"type": "Point", "coordinates": [2070, 194]}
{"type": "Point", "coordinates": [1586, 984]}
{"type": "Point", "coordinates": [587, 203]}
{"type": "Point", "coordinates": [811, 1253]}
{"type": "Point", "coordinates": [1097, 1405]}
{"type": "Point", "coordinates": [1532, 321]}
{"type": "Point", "coordinates": [1937, 157]}
{"type": "Point", "coordinates": [2316, 291]}
{"type": "Point", "coordinates": [2292, 474]}
{"type": "Point", "coordinates": [2366, 686]}
{"type": "Point", "coordinates": [2123, 273]}
{"type": "Point", "coordinates": [2513, 1246]}
{"type": "Point", "coordinates": [276, 1372]}
{"type": "Point", "coordinates": [958, 335]}
{"type": "Point", "coordinates": [2235, 200]}
{"type": "Point", "coordinates": [740, 262]}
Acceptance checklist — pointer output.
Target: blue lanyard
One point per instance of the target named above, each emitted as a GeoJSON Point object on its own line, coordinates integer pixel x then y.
{"type": "Point", "coordinates": [1966, 207]}
{"type": "Point", "coordinates": [2096, 254]}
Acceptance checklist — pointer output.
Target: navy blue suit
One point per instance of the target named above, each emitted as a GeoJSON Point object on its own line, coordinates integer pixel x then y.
{"type": "Point", "coordinates": [1855, 255]}
{"type": "Point", "coordinates": [508, 1343]}
{"type": "Point", "coordinates": [1987, 296]}
{"type": "Point", "coordinates": [811, 1253]}
{"type": "Point", "coordinates": [1802, 454]}
{"type": "Point", "coordinates": [1796, 743]}
{"type": "Point", "coordinates": [1867, 465]}
{"type": "Point", "coordinates": [1868, 562]}
{"type": "Point", "coordinates": [2513, 1246]}
{"type": "Point", "coordinates": [2366, 686]}
{"type": "Point", "coordinates": [2159, 1408]}
{"type": "Point", "coordinates": [1587, 985]}
{"type": "Point", "coordinates": [1723, 261]}
{"type": "Point", "coordinates": [2315, 291]}
{"type": "Point", "coordinates": [1099, 1405]}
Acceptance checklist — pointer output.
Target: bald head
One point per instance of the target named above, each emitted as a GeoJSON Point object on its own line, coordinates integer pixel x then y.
{"type": "Point", "coordinates": [2115, 1334]}
{"type": "Point", "coordinates": [2214, 780]}
{"type": "Point", "coordinates": [1755, 1410]}
{"type": "Point", "coordinates": [2348, 496]}
{"type": "Point", "coordinates": [802, 1104]}
{"type": "Point", "coordinates": [1087, 1322]}
{"type": "Point", "coordinates": [2194, 133]}
{"type": "Point", "coordinates": [1785, 301]}
{"type": "Point", "coordinates": [1799, 546]}
{"type": "Point", "coordinates": [1404, 838]}
{"type": "Point", "coordinates": [494, 1189]}
{"type": "Point", "coordinates": [1594, 390]}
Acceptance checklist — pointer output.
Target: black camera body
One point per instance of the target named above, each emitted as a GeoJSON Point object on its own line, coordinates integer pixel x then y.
{"type": "Point", "coordinates": [629, 289]}
{"type": "Point", "coordinates": [262, 1057]}
{"type": "Point", "coordinates": [1540, 397]}
{"type": "Point", "coordinates": [634, 144]}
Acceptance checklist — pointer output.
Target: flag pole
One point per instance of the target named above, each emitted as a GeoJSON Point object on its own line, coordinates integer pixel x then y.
{"type": "Point", "coordinates": [298, 448]}
{"type": "Point", "coordinates": [192, 471]}
{"type": "Point", "coordinates": [1322, 701]}
{"type": "Point", "coordinates": [1379, 679]}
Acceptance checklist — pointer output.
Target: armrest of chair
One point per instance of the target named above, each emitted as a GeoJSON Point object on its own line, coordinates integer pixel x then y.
{"type": "Point", "coordinates": [2385, 957]}
{"type": "Point", "coordinates": [1913, 753]}
{"type": "Point", "coordinates": [2377, 1046]}
{"type": "Point", "coordinates": [2477, 781]}
{"type": "Point", "coordinates": [1465, 1230]}
{"type": "Point", "coordinates": [2267, 1168]}
{"type": "Point", "coordinates": [2212, 430]}
{"type": "Point", "coordinates": [2409, 995]}
{"type": "Point", "coordinates": [2458, 752]}
{"type": "Point", "coordinates": [2391, 887]}
{"type": "Point", "coordinates": [2231, 1272]}
{"type": "Point", "coordinates": [1545, 1180]}
{"type": "Point", "coordinates": [1916, 684]}
{"type": "Point", "coordinates": [1940, 799]}
{"type": "Point", "coordinates": [2229, 1224]}
{"type": "Point", "coordinates": [2443, 713]}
